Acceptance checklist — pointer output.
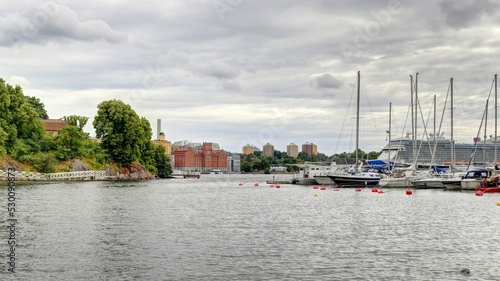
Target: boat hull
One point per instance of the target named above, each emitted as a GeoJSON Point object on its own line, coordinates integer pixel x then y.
{"type": "Point", "coordinates": [395, 182]}
{"type": "Point", "coordinates": [427, 183]}
{"type": "Point", "coordinates": [488, 189]}
{"type": "Point", "coordinates": [453, 185]}
{"type": "Point", "coordinates": [324, 180]}
{"type": "Point", "coordinates": [470, 184]}
{"type": "Point", "coordinates": [348, 180]}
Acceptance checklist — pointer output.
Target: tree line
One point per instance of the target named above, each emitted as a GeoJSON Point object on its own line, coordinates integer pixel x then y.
{"type": "Point", "coordinates": [124, 137]}
{"type": "Point", "coordinates": [257, 162]}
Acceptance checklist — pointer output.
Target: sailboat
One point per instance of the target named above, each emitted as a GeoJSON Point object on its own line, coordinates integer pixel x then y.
{"type": "Point", "coordinates": [403, 177]}
{"type": "Point", "coordinates": [492, 182]}
{"type": "Point", "coordinates": [398, 180]}
{"type": "Point", "coordinates": [437, 178]}
{"type": "Point", "coordinates": [355, 177]}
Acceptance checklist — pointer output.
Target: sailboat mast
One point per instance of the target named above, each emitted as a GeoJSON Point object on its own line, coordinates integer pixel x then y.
{"type": "Point", "coordinates": [416, 111]}
{"type": "Point", "coordinates": [435, 118]}
{"type": "Point", "coordinates": [357, 118]}
{"type": "Point", "coordinates": [496, 109]}
{"type": "Point", "coordinates": [412, 119]}
{"type": "Point", "coordinates": [452, 142]}
{"type": "Point", "coordinates": [485, 126]}
{"type": "Point", "coordinates": [390, 112]}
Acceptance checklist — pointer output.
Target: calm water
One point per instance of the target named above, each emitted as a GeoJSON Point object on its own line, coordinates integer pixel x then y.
{"type": "Point", "coordinates": [213, 229]}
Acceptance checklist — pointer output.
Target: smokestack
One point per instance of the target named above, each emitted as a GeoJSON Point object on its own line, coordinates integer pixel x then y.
{"type": "Point", "coordinates": [158, 128]}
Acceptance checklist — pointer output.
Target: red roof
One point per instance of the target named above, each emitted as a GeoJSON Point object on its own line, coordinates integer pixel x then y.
{"type": "Point", "coordinates": [54, 124]}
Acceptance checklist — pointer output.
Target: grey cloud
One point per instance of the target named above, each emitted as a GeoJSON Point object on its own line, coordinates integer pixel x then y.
{"type": "Point", "coordinates": [327, 81]}
{"type": "Point", "coordinates": [219, 70]}
{"type": "Point", "coordinates": [49, 22]}
{"type": "Point", "coordinates": [460, 14]}
{"type": "Point", "coordinates": [231, 85]}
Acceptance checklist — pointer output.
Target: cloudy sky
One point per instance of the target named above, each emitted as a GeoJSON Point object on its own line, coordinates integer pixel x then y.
{"type": "Point", "coordinates": [240, 71]}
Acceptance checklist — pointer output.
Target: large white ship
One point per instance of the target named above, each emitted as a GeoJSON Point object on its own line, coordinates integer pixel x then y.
{"type": "Point", "coordinates": [402, 151]}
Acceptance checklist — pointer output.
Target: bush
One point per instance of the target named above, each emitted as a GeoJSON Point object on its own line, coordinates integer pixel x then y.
{"type": "Point", "coordinates": [42, 162]}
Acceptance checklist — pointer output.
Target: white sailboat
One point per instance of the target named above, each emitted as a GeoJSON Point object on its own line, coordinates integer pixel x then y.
{"type": "Point", "coordinates": [435, 178]}
{"type": "Point", "coordinates": [403, 177]}
{"type": "Point", "coordinates": [356, 177]}
{"type": "Point", "coordinates": [475, 176]}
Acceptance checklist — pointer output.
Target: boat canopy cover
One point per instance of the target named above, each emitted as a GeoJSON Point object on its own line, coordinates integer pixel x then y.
{"type": "Point", "coordinates": [438, 170]}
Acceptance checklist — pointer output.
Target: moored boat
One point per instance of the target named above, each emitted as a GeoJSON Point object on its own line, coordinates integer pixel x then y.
{"type": "Point", "coordinates": [358, 179]}
{"type": "Point", "coordinates": [490, 185]}
{"type": "Point", "coordinates": [472, 180]}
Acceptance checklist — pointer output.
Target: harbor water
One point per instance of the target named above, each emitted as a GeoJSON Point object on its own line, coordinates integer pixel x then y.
{"type": "Point", "coordinates": [214, 229]}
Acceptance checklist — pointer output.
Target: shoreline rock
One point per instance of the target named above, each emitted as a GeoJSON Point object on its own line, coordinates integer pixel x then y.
{"type": "Point", "coordinates": [135, 172]}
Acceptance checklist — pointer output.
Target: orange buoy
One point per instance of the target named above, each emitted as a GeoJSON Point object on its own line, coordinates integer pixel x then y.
{"type": "Point", "coordinates": [374, 189]}
{"type": "Point", "coordinates": [315, 187]}
{"type": "Point", "coordinates": [409, 192]}
{"type": "Point", "coordinates": [323, 188]}
{"type": "Point", "coordinates": [358, 189]}
{"type": "Point", "coordinates": [380, 191]}
{"type": "Point", "coordinates": [479, 193]}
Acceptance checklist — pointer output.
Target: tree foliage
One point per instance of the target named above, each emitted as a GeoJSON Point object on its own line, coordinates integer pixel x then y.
{"type": "Point", "coordinates": [77, 121]}
{"type": "Point", "coordinates": [126, 137]}
{"type": "Point", "coordinates": [121, 131]}
{"type": "Point", "coordinates": [20, 123]}
{"type": "Point", "coordinates": [70, 143]}
{"type": "Point", "coordinates": [38, 106]}
{"type": "Point", "coordinates": [163, 167]}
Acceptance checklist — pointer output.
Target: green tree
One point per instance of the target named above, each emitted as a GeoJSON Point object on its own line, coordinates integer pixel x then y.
{"type": "Point", "coordinates": [278, 154]}
{"type": "Point", "coordinates": [77, 121]}
{"type": "Point", "coordinates": [163, 167]}
{"type": "Point", "coordinates": [125, 136]}
{"type": "Point", "coordinates": [304, 156]}
{"type": "Point", "coordinates": [19, 121]}
{"type": "Point", "coordinates": [373, 155]}
{"type": "Point", "coordinates": [38, 106]}
{"type": "Point", "coordinates": [70, 143]}
{"type": "Point", "coordinates": [246, 167]}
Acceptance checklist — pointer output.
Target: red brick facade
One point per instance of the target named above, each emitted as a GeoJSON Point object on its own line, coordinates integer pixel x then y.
{"type": "Point", "coordinates": [205, 159]}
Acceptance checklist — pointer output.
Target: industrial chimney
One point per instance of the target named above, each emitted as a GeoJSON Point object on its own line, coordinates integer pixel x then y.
{"type": "Point", "coordinates": [158, 128]}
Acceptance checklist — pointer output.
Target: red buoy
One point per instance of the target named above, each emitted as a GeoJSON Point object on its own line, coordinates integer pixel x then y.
{"type": "Point", "coordinates": [409, 192]}
{"type": "Point", "coordinates": [255, 184]}
{"type": "Point", "coordinates": [380, 191]}
{"type": "Point", "coordinates": [323, 188]}
{"type": "Point", "coordinates": [374, 189]}
{"type": "Point", "coordinates": [240, 184]}
{"type": "Point", "coordinates": [335, 189]}
{"type": "Point", "coordinates": [479, 193]}
{"type": "Point", "coordinates": [315, 187]}
{"type": "Point", "coordinates": [278, 186]}
{"type": "Point", "coordinates": [358, 189]}
{"type": "Point", "coordinates": [272, 185]}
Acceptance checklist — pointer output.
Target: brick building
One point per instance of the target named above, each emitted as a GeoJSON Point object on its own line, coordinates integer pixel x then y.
{"type": "Point", "coordinates": [310, 148]}
{"type": "Point", "coordinates": [206, 159]}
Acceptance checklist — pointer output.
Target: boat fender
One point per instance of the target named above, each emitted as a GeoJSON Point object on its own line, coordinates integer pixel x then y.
{"type": "Point", "coordinates": [485, 183]}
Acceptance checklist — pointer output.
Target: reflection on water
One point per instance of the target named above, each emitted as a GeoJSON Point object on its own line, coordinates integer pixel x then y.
{"type": "Point", "coordinates": [213, 229]}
